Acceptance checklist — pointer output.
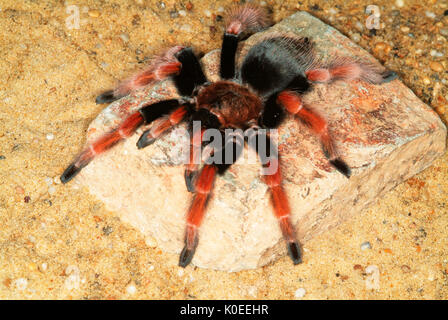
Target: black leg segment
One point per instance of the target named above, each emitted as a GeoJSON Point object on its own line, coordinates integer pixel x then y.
{"type": "Point", "coordinates": [228, 52]}
{"type": "Point", "coordinates": [191, 74]}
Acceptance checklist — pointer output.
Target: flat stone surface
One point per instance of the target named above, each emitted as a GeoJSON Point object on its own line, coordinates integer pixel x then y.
{"type": "Point", "coordinates": [385, 133]}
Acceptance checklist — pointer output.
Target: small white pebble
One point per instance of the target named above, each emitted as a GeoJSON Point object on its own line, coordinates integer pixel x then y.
{"type": "Point", "coordinates": [124, 37]}
{"type": "Point", "coordinates": [182, 13]}
{"type": "Point", "coordinates": [50, 136]}
{"type": "Point", "coordinates": [51, 190]}
{"type": "Point", "coordinates": [73, 279]}
{"type": "Point", "coordinates": [48, 181]}
{"type": "Point", "coordinates": [399, 3]}
{"type": "Point", "coordinates": [150, 242]}
{"type": "Point", "coordinates": [373, 278]}
{"type": "Point", "coordinates": [435, 53]}
{"type": "Point", "coordinates": [333, 11]}
{"type": "Point", "coordinates": [356, 37]}
{"type": "Point", "coordinates": [43, 267]}
{"type": "Point", "coordinates": [300, 293]}
{"type": "Point", "coordinates": [21, 283]}
{"type": "Point", "coordinates": [151, 268]}
{"type": "Point", "coordinates": [430, 14]}
{"type": "Point", "coordinates": [221, 9]}
{"type": "Point", "coordinates": [208, 13]}
{"type": "Point", "coordinates": [104, 65]}
{"type": "Point", "coordinates": [366, 245]}
{"type": "Point", "coordinates": [57, 180]}
{"type": "Point", "coordinates": [131, 289]}
{"type": "Point", "coordinates": [180, 272]}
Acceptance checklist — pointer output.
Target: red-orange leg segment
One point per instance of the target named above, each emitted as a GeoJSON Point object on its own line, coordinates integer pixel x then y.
{"type": "Point", "coordinates": [282, 211]}
{"type": "Point", "coordinates": [292, 102]}
{"type": "Point", "coordinates": [102, 144]}
{"type": "Point", "coordinates": [195, 215]}
{"type": "Point", "coordinates": [160, 68]}
{"type": "Point", "coordinates": [191, 168]}
{"type": "Point", "coordinates": [161, 126]}
{"type": "Point", "coordinates": [146, 114]}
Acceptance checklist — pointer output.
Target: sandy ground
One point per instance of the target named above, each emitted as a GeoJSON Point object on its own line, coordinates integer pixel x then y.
{"type": "Point", "coordinates": [57, 242]}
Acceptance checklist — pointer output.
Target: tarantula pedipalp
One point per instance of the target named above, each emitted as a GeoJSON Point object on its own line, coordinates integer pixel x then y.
{"type": "Point", "coordinates": [273, 76]}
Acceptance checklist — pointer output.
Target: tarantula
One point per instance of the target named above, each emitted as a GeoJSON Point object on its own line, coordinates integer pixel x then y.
{"type": "Point", "coordinates": [273, 76]}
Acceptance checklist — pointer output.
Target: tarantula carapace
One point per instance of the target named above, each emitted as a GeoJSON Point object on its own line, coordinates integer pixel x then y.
{"type": "Point", "coordinates": [257, 95]}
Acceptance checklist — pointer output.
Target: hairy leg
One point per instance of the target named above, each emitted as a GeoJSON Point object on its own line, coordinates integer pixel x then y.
{"type": "Point", "coordinates": [203, 186]}
{"type": "Point", "coordinates": [146, 115]}
{"type": "Point", "coordinates": [160, 68]}
{"type": "Point", "coordinates": [241, 21]}
{"type": "Point", "coordinates": [350, 69]}
{"type": "Point", "coordinates": [292, 102]}
{"type": "Point", "coordinates": [272, 177]}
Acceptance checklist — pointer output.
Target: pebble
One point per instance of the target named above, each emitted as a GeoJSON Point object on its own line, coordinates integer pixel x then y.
{"type": "Point", "coordinates": [180, 272]}
{"type": "Point", "coordinates": [20, 190]}
{"type": "Point", "coordinates": [444, 31]}
{"type": "Point", "coordinates": [366, 245]}
{"type": "Point", "coordinates": [208, 13]}
{"type": "Point", "coordinates": [435, 53]}
{"type": "Point", "coordinates": [405, 29]}
{"type": "Point", "coordinates": [131, 289]}
{"type": "Point", "coordinates": [356, 37]}
{"type": "Point", "coordinates": [151, 268]}
{"type": "Point", "coordinates": [124, 37]}
{"type": "Point", "coordinates": [21, 283]}
{"type": "Point", "coordinates": [43, 267]}
{"type": "Point", "coordinates": [2, 157]}
{"type": "Point", "coordinates": [300, 293]}
{"type": "Point", "coordinates": [50, 136]}
{"type": "Point", "coordinates": [51, 190]}
{"type": "Point", "coordinates": [399, 3]}
{"type": "Point", "coordinates": [48, 181]}
{"type": "Point", "coordinates": [373, 278]}
{"type": "Point", "coordinates": [430, 14]}
{"type": "Point", "coordinates": [182, 13]}
{"type": "Point", "coordinates": [426, 80]}
{"type": "Point", "coordinates": [73, 279]}
{"type": "Point", "coordinates": [94, 13]}
{"type": "Point", "coordinates": [436, 66]}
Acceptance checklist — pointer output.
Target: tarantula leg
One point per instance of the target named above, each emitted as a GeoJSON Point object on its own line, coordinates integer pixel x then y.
{"type": "Point", "coordinates": [195, 215]}
{"type": "Point", "coordinates": [293, 104]}
{"type": "Point", "coordinates": [348, 69]}
{"type": "Point", "coordinates": [102, 144]}
{"type": "Point", "coordinates": [191, 168]}
{"type": "Point", "coordinates": [162, 125]}
{"type": "Point", "coordinates": [241, 21]}
{"type": "Point", "coordinates": [146, 114]}
{"type": "Point", "coordinates": [191, 75]}
{"type": "Point", "coordinates": [273, 179]}
{"type": "Point", "coordinates": [217, 163]}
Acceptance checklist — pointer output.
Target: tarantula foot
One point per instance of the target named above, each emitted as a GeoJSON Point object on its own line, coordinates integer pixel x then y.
{"type": "Point", "coordinates": [186, 256]}
{"type": "Point", "coordinates": [106, 97]}
{"type": "Point", "coordinates": [189, 180]}
{"type": "Point", "coordinates": [145, 140]}
{"type": "Point", "coordinates": [342, 167]}
{"type": "Point", "coordinates": [70, 173]}
{"type": "Point", "coordinates": [294, 252]}
{"type": "Point", "coordinates": [388, 76]}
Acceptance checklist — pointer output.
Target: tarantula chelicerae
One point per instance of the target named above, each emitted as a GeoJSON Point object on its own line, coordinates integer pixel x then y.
{"type": "Point", "coordinates": [273, 76]}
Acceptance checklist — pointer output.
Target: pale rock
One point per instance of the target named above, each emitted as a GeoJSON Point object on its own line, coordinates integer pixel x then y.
{"type": "Point", "coordinates": [385, 133]}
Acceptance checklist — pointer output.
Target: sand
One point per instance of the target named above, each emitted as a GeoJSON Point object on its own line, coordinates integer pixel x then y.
{"type": "Point", "coordinates": [57, 242]}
